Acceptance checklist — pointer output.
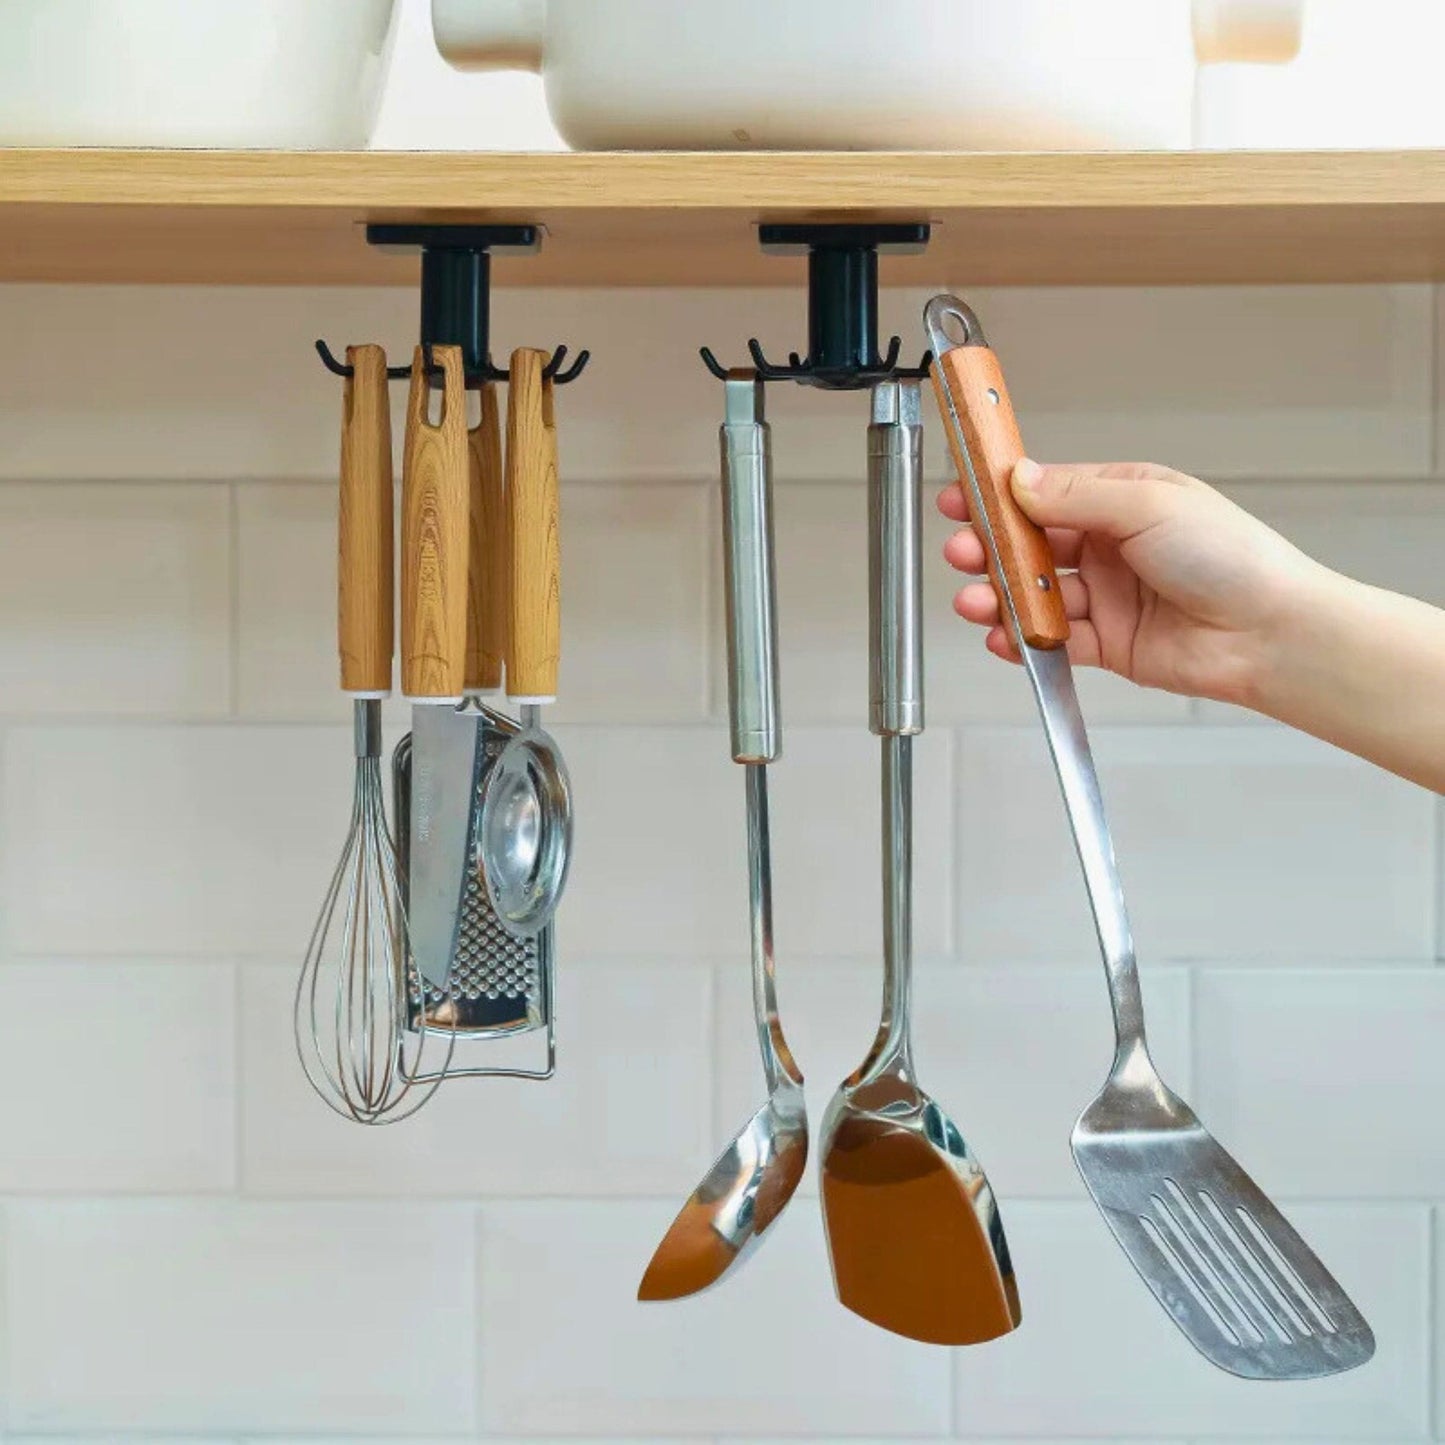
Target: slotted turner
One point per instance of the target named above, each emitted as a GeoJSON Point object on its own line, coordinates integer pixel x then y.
{"type": "Point", "coordinates": [1246, 1290]}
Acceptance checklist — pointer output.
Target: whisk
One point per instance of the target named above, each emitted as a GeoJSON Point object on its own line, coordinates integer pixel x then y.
{"type": "Point", "coordinates": [350, 1011]}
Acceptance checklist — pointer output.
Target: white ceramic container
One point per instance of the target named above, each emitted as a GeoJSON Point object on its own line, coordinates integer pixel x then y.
{"type": "Point", "coordinates": [861, 74]}
{"type": "Point", "coordinates": [288, 74]}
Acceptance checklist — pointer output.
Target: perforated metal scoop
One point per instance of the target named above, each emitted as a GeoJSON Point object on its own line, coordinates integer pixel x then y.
{"type": "Point", "coordinates": [1246, 1290]}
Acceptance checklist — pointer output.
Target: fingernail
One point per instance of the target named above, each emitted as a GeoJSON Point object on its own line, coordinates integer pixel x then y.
{"type": "Point", "coordinates": [1027, 474]}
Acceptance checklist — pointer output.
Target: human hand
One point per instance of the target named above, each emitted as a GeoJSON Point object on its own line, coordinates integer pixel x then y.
{"type": "Point", "coordinates": [1165, 581]}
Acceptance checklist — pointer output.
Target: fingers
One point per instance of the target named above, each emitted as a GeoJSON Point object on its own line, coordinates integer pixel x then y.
{"type": "Point", "coordinates": [978, 602]}
{"type": "Point", "coordinates": [964, 550]}
{"type": "Point", "coordinates": [1082, 646]}
{"type": "Point", "coordinates": [1119, 501]}
{"type": "Point", "coordinates": [953, 502]}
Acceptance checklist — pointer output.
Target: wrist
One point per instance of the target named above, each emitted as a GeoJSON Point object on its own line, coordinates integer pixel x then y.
{"type": "Point", "coordinates": [1299, 643]}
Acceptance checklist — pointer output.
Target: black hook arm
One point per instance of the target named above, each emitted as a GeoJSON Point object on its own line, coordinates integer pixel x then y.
{"type": "Point", "coordinates": [554, 371]}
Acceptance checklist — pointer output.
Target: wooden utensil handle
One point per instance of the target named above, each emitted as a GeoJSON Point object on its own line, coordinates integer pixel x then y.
{"type": "Point", "coordinates": [972, 379]}
{"type": "Point", "coordinates": [535, 625]}
{"type": "Point", "coordinates": [435, 506]}
{"type": "Point", "coordinates": [487, 552]}
{"type": "Point", "coordinates": [364, 570]}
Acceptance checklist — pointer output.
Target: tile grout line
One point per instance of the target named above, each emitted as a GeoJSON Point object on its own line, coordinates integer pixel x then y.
{"type": "Point", "coordinates": [1437, 879]}
{"type": "Point", "coordinates": [479, 1228]}
{"type": "Point", "coordinates": [238, 1082]}
{"type": "Point", "coordinates": [1432, 1320]}
{"type": "Point", "coordinates": [233, 602]}
{"type": "Point", "coordinates": [1437, 379]}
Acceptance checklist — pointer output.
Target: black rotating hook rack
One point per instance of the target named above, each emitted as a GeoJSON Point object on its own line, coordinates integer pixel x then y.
{"type": "Point", "coordinates": [843, 350]}
{"type": "Point", "coordinates": [456, 297]}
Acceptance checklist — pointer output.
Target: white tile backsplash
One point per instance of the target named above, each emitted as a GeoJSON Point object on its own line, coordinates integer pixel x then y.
{"type": "Point", "coordinates": [122, 1077]}
{"type": "Point", "coordinates": [769, 1351]}
{"type": "Point", "coordinates": [114, 601]}
{"type": "Point", "coordinates": [1233, 843]}
{"type": "Point", "coordinates": [169, 840]}
{"type": "Point", "coordinates": [194, 1250]}
{"type": "Point", "coordinates": [184, 1315]}
{"type": "Point", "coordinates": [1284, 381]}
{"type": "Point", "coordinates": [1291, 1062]}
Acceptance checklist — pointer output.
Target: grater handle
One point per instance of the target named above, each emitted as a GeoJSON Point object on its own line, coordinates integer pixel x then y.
{"type": "Point", "coordinates": [435, 505]}
{"type": "Point", "coordinates": [535, 619]}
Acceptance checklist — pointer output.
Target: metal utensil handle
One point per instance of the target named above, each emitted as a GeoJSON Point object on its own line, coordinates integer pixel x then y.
{"type": "Point", "coordinates": [364, 529]}
{"type": "Point", "coordinates": [895, 586]}
{"type": "Point", "coordinates": [1048, 669]}
{"type": "Point", "coordinates": [533, 513]}
{"type": "Point", "coordinates": [748, 567]}
{"type": "Point", "coordinates": [434, 505]}
{"type": "Point", "coordinates": [984, 438]}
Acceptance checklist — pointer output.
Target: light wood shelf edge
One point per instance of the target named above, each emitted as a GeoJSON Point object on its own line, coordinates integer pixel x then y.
{"type": "Point", "coordinates": [623, 219]}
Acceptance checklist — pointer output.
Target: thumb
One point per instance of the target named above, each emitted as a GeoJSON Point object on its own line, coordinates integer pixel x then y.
{"type": "Point", "coordinates": [1086, 500]}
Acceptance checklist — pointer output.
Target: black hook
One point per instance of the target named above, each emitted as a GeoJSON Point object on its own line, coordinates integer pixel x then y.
{"type": "Point", "coordinates": [554, 370]}
{"type": "Point", "coordinates": [842, 306]}
{"type": "Point", "coordinates": [456, 296]}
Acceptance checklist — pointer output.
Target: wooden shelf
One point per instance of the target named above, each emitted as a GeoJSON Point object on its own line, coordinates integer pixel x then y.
{"type": "Point", "coordinates": [686, 219]}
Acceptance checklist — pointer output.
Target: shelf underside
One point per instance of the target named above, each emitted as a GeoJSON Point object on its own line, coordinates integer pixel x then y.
{"type": "Point", "coordinates": [688, 220]}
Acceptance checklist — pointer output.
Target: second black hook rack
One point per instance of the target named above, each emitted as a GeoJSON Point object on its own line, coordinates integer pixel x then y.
{"type": "Point", "coordinates": [456, 296]}
{"type": "Point", "coordinates": [843, 350]}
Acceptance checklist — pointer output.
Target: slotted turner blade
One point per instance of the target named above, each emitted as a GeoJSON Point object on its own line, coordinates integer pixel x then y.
{"type": "Point", "coordinates": [1223, 1261]}
{"type": "Point", "coordinates": [1245, 1289]}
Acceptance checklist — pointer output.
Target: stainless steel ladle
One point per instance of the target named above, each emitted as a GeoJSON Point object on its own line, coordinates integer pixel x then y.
{"type": "Point", "coordinates": [755, 1176]}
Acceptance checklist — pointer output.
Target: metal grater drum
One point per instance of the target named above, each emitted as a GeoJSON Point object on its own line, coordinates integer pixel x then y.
{"type": "Point", "coordinates": [497, 984]}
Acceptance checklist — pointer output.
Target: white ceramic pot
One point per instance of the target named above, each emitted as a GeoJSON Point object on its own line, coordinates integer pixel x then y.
{"type": "Point", "coordinates": [856, 74]}
{"type": "Point", "coordinates": [288, 74]}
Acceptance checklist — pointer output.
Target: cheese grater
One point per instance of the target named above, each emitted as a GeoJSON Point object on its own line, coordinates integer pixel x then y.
{"type": "Point", "coordinates": [497, 985]}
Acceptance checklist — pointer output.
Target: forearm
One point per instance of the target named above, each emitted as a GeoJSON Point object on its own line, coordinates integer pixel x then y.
{"type": "Point", "coordinates": [1364, 669]}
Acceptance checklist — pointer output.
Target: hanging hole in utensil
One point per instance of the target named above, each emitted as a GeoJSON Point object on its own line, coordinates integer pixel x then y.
{"type": "Point", "coordinates": [436, 403]}
{"type": "Point", "coordinates": [993, 396]}
{"type": "Point", "coordinates": [1045, 585]}
{"type": "Point", "coordinates": [954, 325]}
{"type": "Point", "coordinates": [474, 408]}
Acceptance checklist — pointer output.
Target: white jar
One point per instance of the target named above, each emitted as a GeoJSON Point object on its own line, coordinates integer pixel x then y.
{"type": "Point", "coordinates": [288, 74]}
{"type": "Point", "coordinates": [851, 74]}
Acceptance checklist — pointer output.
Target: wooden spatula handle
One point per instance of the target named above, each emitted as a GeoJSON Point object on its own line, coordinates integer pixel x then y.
{"type": "Point", "coordinates": [535, 627]}
{"type": "Point", "coordinates": [972, 379]}
{"type": "Point", "coordinates": [435, 507]}
{"type": "Point", "coordinates": [487, 552]}
{"type": "Point", "coordinates": [364, 531]}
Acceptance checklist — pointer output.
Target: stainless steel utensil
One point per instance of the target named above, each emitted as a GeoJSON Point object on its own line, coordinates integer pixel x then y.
{"type": "Point", "coordinates": [914, 1232]}
{"type": "Point", "coordinates": [497, 985]}
{"type": "Point", "coordinates": [1232, 1273]}
{"type": "Point", "coordinates": [527, 807]}
{"type": "Point", "coordinates": [349, 1011]}
{"type": "Point", "coordinates": [436, 507]}
{"type": "Point", "coordinates": [753, 1179]}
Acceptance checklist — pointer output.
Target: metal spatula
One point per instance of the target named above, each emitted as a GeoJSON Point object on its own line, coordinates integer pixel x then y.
{"type": "Point", "coordinates": [1247, 1291]}
{"type": "Point", "coordinates": [914, 1233]}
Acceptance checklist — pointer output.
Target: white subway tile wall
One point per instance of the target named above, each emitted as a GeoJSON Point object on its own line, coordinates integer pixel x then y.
{"type": "Point", "coordinates": [192, 1248]}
